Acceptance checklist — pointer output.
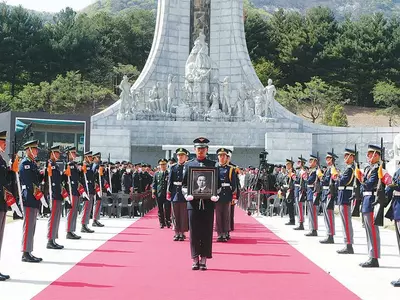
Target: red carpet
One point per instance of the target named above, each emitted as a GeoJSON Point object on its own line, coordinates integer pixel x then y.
{"type": "Point", "coordinates": [143, 262]}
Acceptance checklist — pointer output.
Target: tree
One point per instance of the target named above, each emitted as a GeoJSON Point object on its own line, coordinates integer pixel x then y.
{"type": "Point", "coordinates": [334, 115]}
{"type": "Point", "coordinates": [290, 97]}
{"type": "Point", "coordinates": [387, 94]}
{"type": "Point", "coordinates": [266, 69]}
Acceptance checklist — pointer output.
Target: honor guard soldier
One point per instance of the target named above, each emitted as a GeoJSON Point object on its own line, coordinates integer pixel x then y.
{"type": "Point", "coordinates": [98, 171]}
{"type": "Point", "coordinates": [234, 201]}
{"type": "Point", "coordinates": [53, 180]}
{"type": "Point", "coordinates": [288, 189]}
{"type": "Point", "coordinates": [328, 197]}
{"type": "Point", "coordinates": [32, 197]}
{"type": "Point", "coordinates": [394, 190]}
{"type": "Point", "coordinates": [75, 190]}
{"type": "Point", "coordinates": [159, 192]}
{"type": "Point", "coordinates": [226, 193]}
{"type": "Point", "coordinates": [312, 188]}
{"type": "Point", "coordinates": [7, 199]}
{"type": "Point", "coordinates": [345, 192]}
{"type": "Point", "coordinates": [300, 191]}
{"type": "Point", "coordinates": [87, 180]}
{"type": "Point", "coordinates": [369, 181]}
{"type": "Point", "coordinates": [175, 194]}
{"type": "Point", "coordinates": [201, 211]}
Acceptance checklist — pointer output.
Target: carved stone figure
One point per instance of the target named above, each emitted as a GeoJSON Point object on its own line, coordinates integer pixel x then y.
{"type": "Point", "coordinates": [125, 97]}
{"type": "Point", "coordinates": [240, 104]}
{"type": "Point", "coordinates": [258, 103]}
{"type": "Point", "coordinates": [154, 99]}
{"type": "Point", "coordinates": [270, 92]}
{"type": "Point", "coordinates": [171, 93]}
{"type": "Point", "coordinates": [226, 103]}
{"type": "Point", "coordinates": [214, 99]}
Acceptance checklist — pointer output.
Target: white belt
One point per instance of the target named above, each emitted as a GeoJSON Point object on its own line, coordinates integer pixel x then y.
{"type": "Point", "coordinates": [23, 187]}
{"type": "Point", "coordinates": [396, 193]}
{"type": "Point", "coordinates": [177, 183]}
{"type": "Point", "coordinates": [325, 187]}
{"type": "Point", "coordinates": [347, 188]}
{"type": "Point", "coordinates": [285, 185]}
{"type": "Point", "coordinates": [310, 185]}
{"type": "Point", "coordinates": [298, 185]}
{"type": "Point", "coordinates": [225, 184]}
{"type": "Point", "coordinates": [369, 193]}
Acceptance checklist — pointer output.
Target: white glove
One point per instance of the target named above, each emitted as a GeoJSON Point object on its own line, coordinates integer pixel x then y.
{"type": "Point", "coordinates": [68, 200]}
{"type": "Point", "coordinates": [15, 209]}
{"type": "Point", "coordinates": [44, 203]}
{"type": "Point", "coordinates": [214, 198]}
{"type": "Point", "coordinates": [85, 195]}
{"type": "Point", "coordinates": [184, 191]}
{"type": "Point", "coordinates": [109, 190]}
{"type": "Point", "coordinates": [99, 194]}
{"type": "Point", "coordinates": [189, 197]}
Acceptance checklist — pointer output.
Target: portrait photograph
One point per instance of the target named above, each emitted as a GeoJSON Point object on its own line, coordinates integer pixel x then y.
{"type": "Point", "coordinates": [202, 182]}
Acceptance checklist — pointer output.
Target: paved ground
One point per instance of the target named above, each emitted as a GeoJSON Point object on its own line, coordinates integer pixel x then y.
{"type": "Point", "coordinates": [30, 279]}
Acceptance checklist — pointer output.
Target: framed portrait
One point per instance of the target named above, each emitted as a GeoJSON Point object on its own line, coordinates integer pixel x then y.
{"type": "Point", "coordinates": [202, 182]}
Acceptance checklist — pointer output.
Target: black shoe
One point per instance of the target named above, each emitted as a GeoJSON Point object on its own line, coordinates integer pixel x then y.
{"type": "Point", "coordinates": [312, 233]}
{"type": "Point", "coordinates": [220, 239]}
{"type": "Point", "coordinates": [27, 257]}
{"type": "Point", "coordinates": [228, 237]}
{"type": "Point", "coordinates": [181, 237]}
{"type": "Point", "coordinates": [58, 245]}
{"type": "Point", "coordinates": [184, 237]}
{"type": "Point", "coordinates": [371, 263]}
{"type": "Point", "coordinates": [328, 240]}
{"type": "Point", "coordinates": [177, 237]}
{"type": "Point", "coordinates": [168, 224]}
{"type": "Point", "coordinates": [290, 223]}
{"type": "Point", "coordinates": [97, 224]}
{"type": "Point", "coordinates": [300, 227]}
{"type": "Point", "coordinates": [396, 283]}
{"type": "Point", "coordinates": [5, 276]}
{"type": "Point", "coordinates": [37, 258]}
{"type": "Point", "coordinates": [162, 226]}
{"type": "Point", "coordinates": [2, 278]}
{"type": "Point", "coordinates": [51, 244]}
{"type": "Point", "coordinates": [72, 236]}
{"type": "Point", "coordinates": [86, 229]}
{"type": "Point", "coordinates": [346, 250]}
{"type": "Point", "coordinates": [195, 266]}
{"type": "Point", "coordinates": [203, 267]}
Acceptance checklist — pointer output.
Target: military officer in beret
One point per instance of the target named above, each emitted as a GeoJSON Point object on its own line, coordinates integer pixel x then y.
{"type": "Point", "coordinates": [7, 199]}
{"type": "Point", "coordinates": [71, 183]}
{"type": "Point", "coordinates": [53, 180]}
{"type": "Point", "coordinates": [159, 192]}
{"type": "Point", "coordinates": [201, 211]}
{"type": "Point", "coordinates": [88, 181]}
{"type": "Point", "coordinates": [369, 182]}
{"type": "Point", "coordinates": [328, 197]}
{"type": "Point", "coordinates": [30, 178]}
{"type": "Point", "coordinates": [345, 192]}
{"type": "Point", "coordinates": [175, 194]}
{"type": "Point", "coordinates": [227, 186]}
{"type": "Point", "coordinates": [394, 191]}
{"type": "Point", "coordinates": [312, 187]}
{"type": "Point", "coordinates": [98, 171]}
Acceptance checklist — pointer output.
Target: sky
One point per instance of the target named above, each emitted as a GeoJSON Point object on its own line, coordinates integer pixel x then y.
{"type": "Point", "coordinates": [50, 5]}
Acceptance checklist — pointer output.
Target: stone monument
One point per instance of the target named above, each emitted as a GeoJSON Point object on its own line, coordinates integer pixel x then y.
{"type": "Point", "coordinates": [199, 80]}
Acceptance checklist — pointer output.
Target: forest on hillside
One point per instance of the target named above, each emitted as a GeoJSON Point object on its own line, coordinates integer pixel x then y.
{"type": "Point", "coordinates": [74, 63]}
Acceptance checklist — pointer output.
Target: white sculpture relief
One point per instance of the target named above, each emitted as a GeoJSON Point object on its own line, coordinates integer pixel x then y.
{"type": "Point", "coordinates": [258, 103]}
{"type": "Point", "coordinates": [171, 93]}
{"type": "Point", "coordinates": [270, 92]}
{"type": "Point", "coordinates": [226, 103]}
{"type": "Point", "coordinates": [125, 98]}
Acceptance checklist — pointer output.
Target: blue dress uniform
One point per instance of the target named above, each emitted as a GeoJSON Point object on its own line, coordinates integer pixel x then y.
{"type": "Point", "coordinates": [226, 189]}
{"type": "Point", "coordinates": [288, 189]}
{"type": "Point", "coordinates": [233, 204]}
{"type": "Point", "coordinates": [159, 191]}
{"type": "Point", "coordinates": [345, 193]}
{"type": "Point", "coordinates": [56, 200]}
{"type": "Point", "coordinates": [369, 185]}
{"type": "Point", "coordinates": [201, 214]}
{"type": "Point", "coordinates": [300, 193]}
{"type": "Point", "coordinates": [30, 177]}
{"type": "Point", "coordinates": [312, 209]}
{"type": "Point", "coordinates": [328, 201]}
{"type": "Point", "coordinates": [88, 181]}
{"type": "Point", "coordinates": [394, 189]}
{"type": "Point", "coordinates": [72, 182]}
{"type": "Point", "coordinates": [179, 206]}
{"type": "Point", "coordinates": [99, 180]}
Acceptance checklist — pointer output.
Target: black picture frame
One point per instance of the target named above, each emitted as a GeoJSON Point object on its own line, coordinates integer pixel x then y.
{"type": "Point", "coordinates": [208, 182]}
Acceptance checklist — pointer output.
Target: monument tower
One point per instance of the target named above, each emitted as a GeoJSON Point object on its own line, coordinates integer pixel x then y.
{"type": "Point", "coordinates": [199, 80]}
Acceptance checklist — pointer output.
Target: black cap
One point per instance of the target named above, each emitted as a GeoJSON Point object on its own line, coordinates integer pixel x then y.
{"type": "Point", "coordinates": [98, 154]}
{"type": "Point", "coordinates": [373, 148]}
{"type": "Point", "coordinates": [55, 148]}
{"type": "Point", "coordinates": [222, 151]}
{"type": "Point", "coordinates": [162, 161]}
{"type": "Point", "coordinates": [88, 153]}
{"type": "Point", "coordinates": [31, 144]}
{"type": "Point", "coordinates": [70, 149]}
{"type": "Point", "coordinates": [302, 159]}
{"type": "Point", "coordinates": [349, 151]}
{"type": "Point", "coordinates": [289, 161]}
{"type": "Point", "coordinates": [201, 142]}
{"type": "Point", "coordinates": [331, 154]}
{"type": "Point", "coordinates": [181, 151]}
{"type": "Point", "coordinates": [3, 135]}
{"type": "Point", "coordinates": [117, 162]}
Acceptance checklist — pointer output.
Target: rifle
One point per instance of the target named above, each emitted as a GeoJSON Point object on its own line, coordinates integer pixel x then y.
{"type": "Point", "coordinates": [357, 198]}
{"type": "Point", "coordinates": [317, 185]}
{"type": "Point", "coordinates": [302, 192]}
{"type": "Point", "coordinates": [381, 201]}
